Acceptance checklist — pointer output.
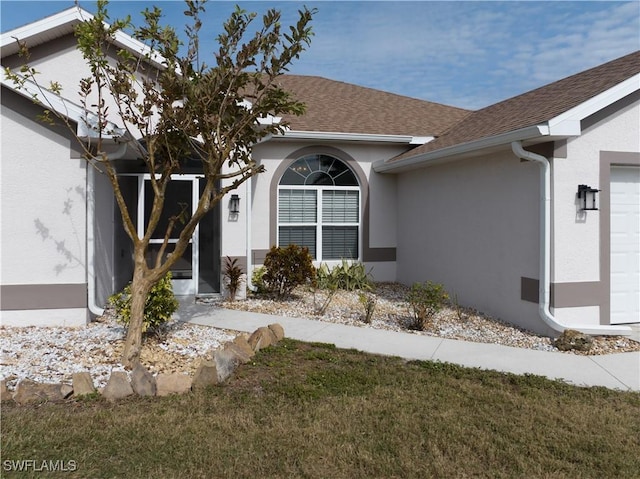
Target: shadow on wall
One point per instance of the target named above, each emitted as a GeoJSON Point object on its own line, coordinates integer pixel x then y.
{"type": "Point", "coordinates": [71, 254]}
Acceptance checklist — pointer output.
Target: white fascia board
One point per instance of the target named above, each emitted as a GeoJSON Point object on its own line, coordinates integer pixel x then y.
{"type": "Point", "coordinates": [70, 17]}
{"type": "Point", "coordinates": [38, 27]}
{"type": "Point", "coordinates": [417, 161]}
{"type": "Point", "coordinates": [568, 123]}
{"type": "Point", "coordinates": [364, 137]}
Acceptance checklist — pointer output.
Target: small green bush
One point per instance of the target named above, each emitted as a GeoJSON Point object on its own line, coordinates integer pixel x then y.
{"type": "Point", "coordinates": [257, 280]}
{"type": "Point", "coordinates": [425, 300]}
{"type": "Point", "coordinates": [347, 276]}
{"type": "Point", "coordinates": [160, 306]}
{"type": "Point", "coordinates": [233, 276]}
{"type": "Point", "coordinates": [287, 268]}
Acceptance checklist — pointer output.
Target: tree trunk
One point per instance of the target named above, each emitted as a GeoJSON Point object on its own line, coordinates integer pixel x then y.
{"type": "Point", "coordinates": [140, 287]}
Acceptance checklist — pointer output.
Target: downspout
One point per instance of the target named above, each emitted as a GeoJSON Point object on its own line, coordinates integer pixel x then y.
{"type": "Point", "coordinates": [544, 294]}
{"type": "Point", "coordinates": [94, 308]}
{"type": "Point", "coordinates": [249, 284]}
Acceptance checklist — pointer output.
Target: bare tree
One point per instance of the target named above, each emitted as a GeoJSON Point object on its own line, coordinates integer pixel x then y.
{"type": "Point", "coordinates": [181, 107]}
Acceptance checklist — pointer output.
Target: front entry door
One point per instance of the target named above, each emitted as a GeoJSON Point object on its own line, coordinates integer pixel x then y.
{"type": "Point", "coordinates": [181, 197]}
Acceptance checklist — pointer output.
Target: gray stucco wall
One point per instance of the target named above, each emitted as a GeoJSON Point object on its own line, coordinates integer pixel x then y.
{"type": "Point", "coordinates": [473, 226]}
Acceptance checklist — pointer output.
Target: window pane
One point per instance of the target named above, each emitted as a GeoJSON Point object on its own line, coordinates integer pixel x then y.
{"type": "Point", "coordinates": [339, 242]}
{"type": "Point", "coordinates": [340, 207]}
{"type": "Point", "coordinates": [299, 235]}
{"type": "Point", "coordinates": [297, 206]}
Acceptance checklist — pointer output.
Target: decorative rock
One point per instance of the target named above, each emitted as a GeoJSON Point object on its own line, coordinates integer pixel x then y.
{"type": "Point", "coordinates": [175, 383]}
{"type": "Point", "coordinates": [262, 338]}
{"type": "Point", "coordinates": [31, 391]}
{"type": "Point", "coordinates": [82, 384]}
{"type": "Point", "coordinates": [226, 362]}
{"type": "Point", "coordinates": [241, 349]}
{"type": "Point", "coordinates": [571, 339]}
{"type": "Point", "coordinates": [118, 386]}
{"type": "Point", "coordinates": [142, 381]}
{"type": "Point", "coordinates": [205, 375]}
{"type": "Point", "coordinates": [66, 390]}
{"type": "Point", "coordinates": [5, 394]}
{"type": "Point", "coordinates": [278, 331]}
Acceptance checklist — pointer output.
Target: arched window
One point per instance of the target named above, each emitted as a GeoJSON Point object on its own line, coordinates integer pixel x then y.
{"type": "Point", "coordinates": [319, 207]}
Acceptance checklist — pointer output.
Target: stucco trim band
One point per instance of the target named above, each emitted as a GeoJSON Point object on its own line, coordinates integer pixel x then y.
{"type": "Point", "coordinates": [43, 296]}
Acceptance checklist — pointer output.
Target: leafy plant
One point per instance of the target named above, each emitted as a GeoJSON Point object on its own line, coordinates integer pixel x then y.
{"type": "Point", "coordinates": [287, 268]}
{"type": "Point", "coordinates": [160, 305]}
{"type": "Point", "coordinates": [348, 276]}
{"type": "Point", "coordinates": [368, 302]}
{"type": "Point", "coordinates": [425, 300]}
{"type": "Point", "coordinates": [233, 276]}
{"type": "Point", "coordinates": [257, 280]}
{"type": "Point", "coordinates": [326, 282]}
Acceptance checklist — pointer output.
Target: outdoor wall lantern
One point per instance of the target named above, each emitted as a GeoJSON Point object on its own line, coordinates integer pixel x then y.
{"type": "Point", "coordinates": [234, 204]}
{"type": "Point", "coordinates": [587, 197]}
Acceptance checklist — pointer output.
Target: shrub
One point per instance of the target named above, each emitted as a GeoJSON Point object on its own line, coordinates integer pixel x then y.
{"type": "Point", "coordinates": [160, 306]}
{"type": "Point", "coordinates": [287, 268]}
{"type": "Point", "coordinates": [425, 300]}
{"type": "Point", "coordinates": [233, 276]}
{"type": "Point", "coordinates": [368, 302]}
{"type": "Point", "coordinates": [347, 276]}
{"type": "Point", "coordinates": [257, 280]}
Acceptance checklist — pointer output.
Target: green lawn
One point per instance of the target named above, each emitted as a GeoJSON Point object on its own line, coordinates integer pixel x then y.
{"type": "Point", "coordinates": [310, 410]}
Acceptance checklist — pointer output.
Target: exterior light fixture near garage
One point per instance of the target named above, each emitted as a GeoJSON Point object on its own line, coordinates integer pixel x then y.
{"type": "Point", "coordinates": [587, 197]}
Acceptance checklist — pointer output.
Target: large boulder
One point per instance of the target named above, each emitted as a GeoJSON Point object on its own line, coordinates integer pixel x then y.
{"type": "Point", "coordinates": [262, 338]}
{"type": "Point", "coordinates": [30, 391]}
{"type": "Point", "coordinates": [142, 381]}
{"type": "Point", "coordinates": [226, 361]}
{"type": "Point", "coordinates": [572, 340]}
{"type": "Point", "coordinates": [118, 386]}
{"type": "Point", "coordinates": [278, 331]}
{"type": "Point", "coordinates": [82, 384]}
{"type": "Point", "coordinates": [206, 375]}
{"type": "Point", "coordinates": [241, 348]}
{"type": "Point", "coordinates": [175, 383]}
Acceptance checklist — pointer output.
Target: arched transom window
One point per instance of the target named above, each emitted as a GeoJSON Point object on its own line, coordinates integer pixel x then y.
{"type": "Point", "coordinates": [319, 207]}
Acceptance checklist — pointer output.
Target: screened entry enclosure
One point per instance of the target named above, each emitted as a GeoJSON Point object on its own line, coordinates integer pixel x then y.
{"type": "Point", "coordinates": [319, 208]}
{"type": "Point", "coordinates": [198, 269]}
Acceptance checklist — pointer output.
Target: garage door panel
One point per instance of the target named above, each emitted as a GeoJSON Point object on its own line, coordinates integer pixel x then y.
{"type": "Point", "coordinates": [625, 244]}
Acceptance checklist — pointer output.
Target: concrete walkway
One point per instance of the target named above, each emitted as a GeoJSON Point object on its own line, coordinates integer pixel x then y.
{"type": "Point", "coordinates": [614, 371]}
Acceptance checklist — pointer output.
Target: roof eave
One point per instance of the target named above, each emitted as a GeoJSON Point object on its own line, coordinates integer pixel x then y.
{"type": "Point", "coordinates": [421, 160]}
{"type": "Point", "coordinates": [354, 137]}
{"type": "Point", "coordinates": [62, 21]}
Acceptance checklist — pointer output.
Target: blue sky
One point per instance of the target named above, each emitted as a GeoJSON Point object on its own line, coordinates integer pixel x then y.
{"type": "Point", "coordinates": [466, 54]}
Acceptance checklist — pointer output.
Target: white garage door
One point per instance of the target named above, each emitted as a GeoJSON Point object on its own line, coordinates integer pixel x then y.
{"type": "Point", "coordinates": [625, 244]}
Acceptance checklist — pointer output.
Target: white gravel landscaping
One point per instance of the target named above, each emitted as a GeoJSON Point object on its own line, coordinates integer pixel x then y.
{"type": "Point", "coordinates": [46, 354]}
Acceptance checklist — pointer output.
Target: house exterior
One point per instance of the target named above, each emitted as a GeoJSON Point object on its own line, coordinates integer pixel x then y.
{"type": "Point", "coordinates": [484, 202]}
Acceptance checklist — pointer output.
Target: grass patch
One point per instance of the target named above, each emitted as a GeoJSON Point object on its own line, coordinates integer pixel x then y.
{"type": "Point", "coordinates": [311, 410]}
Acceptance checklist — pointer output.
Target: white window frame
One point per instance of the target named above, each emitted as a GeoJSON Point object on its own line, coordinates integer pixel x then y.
{"type": "Point", "coordinates": [319, 223]}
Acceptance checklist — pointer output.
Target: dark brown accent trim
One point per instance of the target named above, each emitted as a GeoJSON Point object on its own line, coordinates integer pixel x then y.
{"type": "Point", "coordinates": [607, 160]}
{"type": "Point", "coordinates": [563, 295]}
{"type": "Point", "coordinates": [529, 289]}
{"type": "Point", "coordinates": [258, 256]}
{"type": "Point", "coordinates": [43, 296]}
{"type": "Point", "coordinates": [368, 254]}
{"type": "Point", "coordinates": [573, 295]}
{"type": "Point", "coordinates": [241, 262]}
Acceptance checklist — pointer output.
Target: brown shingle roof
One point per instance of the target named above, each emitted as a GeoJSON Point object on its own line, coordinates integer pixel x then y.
{"type": "Point", "coordinates": [334, 106]}
{"type": "Point", "coordinates": [534, 107]}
